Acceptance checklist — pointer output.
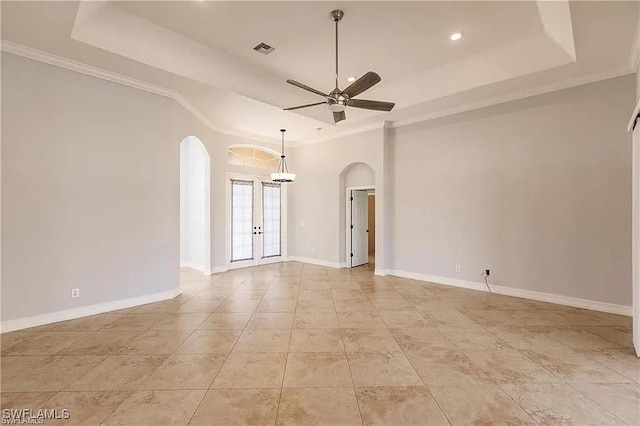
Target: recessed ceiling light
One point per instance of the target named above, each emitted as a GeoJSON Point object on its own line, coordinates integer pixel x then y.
{"type": "Point", "coordinates": [350, 79]}
{"type": "Point", "coordinates": [456, 36]}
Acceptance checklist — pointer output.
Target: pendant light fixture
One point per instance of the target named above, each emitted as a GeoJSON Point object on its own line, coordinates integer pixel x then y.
{"type": "Point", "coordinates": [283, 175]}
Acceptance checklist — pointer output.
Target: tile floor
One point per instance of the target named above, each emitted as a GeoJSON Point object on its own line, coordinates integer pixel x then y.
{"type": "Point", "coordinates": [299, 344]}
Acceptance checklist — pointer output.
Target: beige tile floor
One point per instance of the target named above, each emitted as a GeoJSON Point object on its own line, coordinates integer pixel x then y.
{"type": "Point", "coordinates": [299, 344]}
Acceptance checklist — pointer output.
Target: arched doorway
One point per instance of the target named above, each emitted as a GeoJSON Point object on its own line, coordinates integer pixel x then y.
{"type": "Point", "coordinates": [357, 184]}
{"type": "Point", "coordinates": [195, 218]}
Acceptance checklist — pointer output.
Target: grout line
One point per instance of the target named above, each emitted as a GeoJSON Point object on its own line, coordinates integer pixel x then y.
{"type": "Point", "coordinates": [597, 403]}
{"type": "Point", "coordinates": [347, 358]}
{"type": "Point", "coordinates": [520, 351]}
{"type": "Point", "coordinates": [234, 343]}
{"type": "Point", "coordinates": [411, 363]}
{"type": "Point", "coordinates": [286, 361]}
{"type": "Point", "coordinates": [158, 367]}
{"type": "Point", "coordinates": [572, 384]}
{"type": "Point", "coordinates": [498, 385]}
{"type": "Point", "coordinates": [228, 354]}
{"type": "Point", "coordinates": [109, 355]}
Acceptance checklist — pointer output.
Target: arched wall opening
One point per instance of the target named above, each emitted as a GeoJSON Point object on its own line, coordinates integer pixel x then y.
{"type": "Point", "coordinates": [360, 178]}
{"type": "Point", "coordinates": [259, 159]}
{"type": "Point", "coordinates": [195, 217]}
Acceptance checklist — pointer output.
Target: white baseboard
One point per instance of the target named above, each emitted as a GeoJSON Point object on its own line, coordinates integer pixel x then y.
{"type": "Point", "coordinates": [380, 272]}
{"type": "Point", "coordinates": [516, 292]}
{"type": "Point", "coordinates": [83, 311]}
{"type": "Point", "coordinates": [197, 267]}
{"type": "Point", "coordinates": [218, 270]}
{"type": "Point", "coordinates": [318, 262]}
{"type": "Point", "coordinates": [438, 280]}
{"type": "Point", "coordinates": [576, 302]}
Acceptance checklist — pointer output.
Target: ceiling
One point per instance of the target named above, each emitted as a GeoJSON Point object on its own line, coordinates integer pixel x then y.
{"type": "Point", "coordinates": [202, 50]}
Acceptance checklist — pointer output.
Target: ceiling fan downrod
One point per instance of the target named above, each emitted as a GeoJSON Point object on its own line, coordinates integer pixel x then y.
{"type": "Point", "coordinates": [336, 16]}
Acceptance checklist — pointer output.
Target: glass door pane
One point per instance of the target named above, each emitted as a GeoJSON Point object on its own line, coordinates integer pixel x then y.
{"type": "Point", "coordinates": [271, 220]}
{"type": "Point", "coordinates": [241, 220]}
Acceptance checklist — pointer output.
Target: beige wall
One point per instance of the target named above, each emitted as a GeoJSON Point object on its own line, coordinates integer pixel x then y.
{"type": "Point", "coordinates": [318, 199]}
{"type": "Point", "coordinates": [537, 190]}
{"type": "Point", "coordinates": [88, 205]}
{"type": "Point", "coordinates": [90, 189]}
{"type": "Point", "coordinates": [359, 175]}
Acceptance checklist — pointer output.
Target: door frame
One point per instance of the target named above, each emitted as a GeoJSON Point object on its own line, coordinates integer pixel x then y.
{"type": "Point", "coordinates": [348, 221]}
{"type": "Point", "coordinates": [283, 222]}
{"type": "Point", "coordinates": [635, 234]}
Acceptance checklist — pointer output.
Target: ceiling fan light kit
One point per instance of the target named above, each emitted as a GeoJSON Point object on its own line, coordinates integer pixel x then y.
{"type": "Point", "coordinates": [283, 175]}
{"type": "Point", "coordinates": [337, 105]}
{"type": "Point", "coordinates": [338, 100]}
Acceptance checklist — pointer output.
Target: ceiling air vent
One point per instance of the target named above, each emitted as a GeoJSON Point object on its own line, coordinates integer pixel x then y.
{"type": "Point", "coordinates": [264, 48]}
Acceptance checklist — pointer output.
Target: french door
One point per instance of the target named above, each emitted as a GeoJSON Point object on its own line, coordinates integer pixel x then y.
{"type": "Point", "coordinates": [257, 222]}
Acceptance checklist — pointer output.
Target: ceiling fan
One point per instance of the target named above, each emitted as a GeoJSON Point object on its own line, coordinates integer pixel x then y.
{"type": "Point", "coordinates": [338, 100]}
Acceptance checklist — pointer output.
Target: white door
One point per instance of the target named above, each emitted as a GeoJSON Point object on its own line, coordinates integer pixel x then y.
{"type": "Point", "coordinates": [256, 222]}
{"type": "Point", "coordinates": [359, 228]}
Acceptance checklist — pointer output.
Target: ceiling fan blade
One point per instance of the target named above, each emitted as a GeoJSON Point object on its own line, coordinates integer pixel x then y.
{"type": "Point", "coordinates": [307, 88]}
{"type": "Point", "coordinates": [339, 116]}
{"type": "Point", "coordinates": [375, 105]}
{"type": "Point", "coordinates": [304, 106]}
{"type": "Point", "coordinates": [365, 82]}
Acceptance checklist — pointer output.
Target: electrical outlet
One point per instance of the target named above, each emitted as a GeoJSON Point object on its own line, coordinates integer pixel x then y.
{"type": "Point", "coordinates": [75, 292]}
{"type": "Point", "coordinates": [487, 272]}
{"type": "Point", "coordinates": [457, 268]}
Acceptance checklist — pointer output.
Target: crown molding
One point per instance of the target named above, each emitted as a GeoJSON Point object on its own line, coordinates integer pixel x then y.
{"type": "Point", "coordinates": [634, 56]}
{"type": "Point", "coordinates": [58, 61]}
{"type": "Point", "coordinates": [204, 120]}
{"type": "Point", "coordinates": [48, 58]}
{"type": "Point", "coordinates": [349, 132]}
{"type": "Point", "coordinates": [523, 94]}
